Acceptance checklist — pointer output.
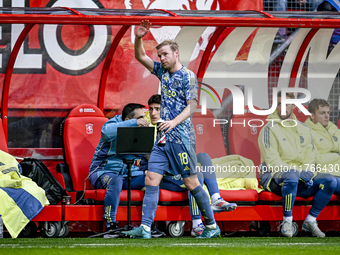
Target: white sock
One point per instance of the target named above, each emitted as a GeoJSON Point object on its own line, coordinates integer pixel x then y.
{"type": "Point", "coordinates": [147, 228]}
{"type": "Point", "coordinates": [288, 218]}
{"type": "Point", "coordinates": [310, 218]}
{"type": "Point", "coordinates": [215, 196]}
{"type": "Point", "coordinates": [212, 226]}
{"type": "Point", "coordinates": [195, 223]}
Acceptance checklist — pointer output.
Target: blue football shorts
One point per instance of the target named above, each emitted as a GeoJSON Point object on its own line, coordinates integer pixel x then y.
{"type": "Point", "coordinates": [173, 158]}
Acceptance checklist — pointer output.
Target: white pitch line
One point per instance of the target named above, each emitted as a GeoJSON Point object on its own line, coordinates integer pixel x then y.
{"type": "Point", "coordinates": [200, 244]}
{"type": "Point", "coordinates": [300, 243]}
{"type": "Point", "coordinates": [22, 246]}
{"type": "Point", "coordinates": [237, 244]}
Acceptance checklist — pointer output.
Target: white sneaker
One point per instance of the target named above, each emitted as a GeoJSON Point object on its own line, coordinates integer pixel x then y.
{"type": "Point", "coordinates": [312, 226]}
{"type": "Point", "coordinates": [220, 205]}
{"type": "Point", "coordinates": [198, 230]}
{"type": "Point", "coordinates": [287, 228]}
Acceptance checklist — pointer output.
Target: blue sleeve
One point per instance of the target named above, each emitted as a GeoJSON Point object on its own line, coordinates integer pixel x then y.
{"type": "Point", "coordinates": [109, 129]}
{"type": "Point", "coordinates": [143, 164]}
{"type": "Point", "coordinates": [20, 168]}
{"type": "Point", "coordinates": [191, 86]}
{"type": "Point", "coordinates": [157, 69]}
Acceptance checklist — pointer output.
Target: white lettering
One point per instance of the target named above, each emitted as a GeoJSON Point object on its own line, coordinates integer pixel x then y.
{"type": "Point", "coordinates": [238, 109]}
{"type": "Point", "coordinates": [23, 60]}
{"type": "Point", "coordinates": [220, 122]}
{"type": "Point", "coordinates": [234, 122]}
{"type": "Point", "coordinates": [253, 125]}
{"type": "Point", "coordinates": [89, 110]}
{"type": "Point", "coordinates": [224, 121]}
{"type": "Point", "coordinates": [295, 123]}
{"type": "Point", "coordinates": [297, 101]}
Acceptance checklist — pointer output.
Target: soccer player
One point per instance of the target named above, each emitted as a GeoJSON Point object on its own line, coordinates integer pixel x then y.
{"type": "Point", "coordinates": [174, 183]}
{"type": "Point", "coordinates": [179, 100]}
{"type": "Point", "coordinates": [326, 136]}
{"type": "Point", "coordinates": [107, 170]}
{"type": "Point", "coordinates": [287, 153]}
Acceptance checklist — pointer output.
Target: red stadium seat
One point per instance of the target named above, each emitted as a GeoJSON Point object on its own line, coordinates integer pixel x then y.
{"type": "Point", "coordinates": [81, 134]}
{"type": "Point", "coordinates": [300, 115]}
{"type": "Point", "coordinates": [3, 143]}
{"type": "Point", "coordinates": [209, 139]}
{"type": "Point", "coordinates": [242, 135]}
{"type": "Point", "coordinates": [247, 195]}
{"type": "Point", "coordinates": [269, 197]}
{"type": "Point", "coordinates": [171, 196]}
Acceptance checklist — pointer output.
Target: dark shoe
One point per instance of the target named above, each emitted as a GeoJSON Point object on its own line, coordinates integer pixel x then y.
{"type": "Point", "coordinates": [113, 226]}
{"type": "Point", "coordinates": [113, 231]}
{"type": "Point", "coordinates": [155, 233]}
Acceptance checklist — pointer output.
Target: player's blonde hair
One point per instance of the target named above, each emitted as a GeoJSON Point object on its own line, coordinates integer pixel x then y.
{"type": "Point", "coordinates": [173, 45]}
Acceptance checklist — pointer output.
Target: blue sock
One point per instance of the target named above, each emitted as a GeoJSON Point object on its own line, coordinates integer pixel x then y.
{"type": "Point", "coordinates": [322, 190]}
{"type": "Point", "coordinates": [208, 176]}
{"type": "Point", "coordinates": [194, 210]}
{"type": "Point", "coordinates": [112, 196]}
{"type": "Point", "coordinates": [211, 183]}
{"type": "Point", "coordinates": [150, 202]}
{"type": "Point", "coordinates": [289, 189]}
{"type": "Point", "coordinates": [202, 200]}
{"type": "Point", "coordinates": [285, 184]}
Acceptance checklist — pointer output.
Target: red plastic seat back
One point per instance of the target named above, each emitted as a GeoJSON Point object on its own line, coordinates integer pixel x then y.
{"type": "Point", "coordinates": [81, 135]}
{"type": "Point", "coordinates": [300, 115]}
{"type": "Point", "coordinates": [3, 143]}
{"type": "Point", "coordinates": [243, 135]}
{"type": "Point", "coordinates": [209, 139]}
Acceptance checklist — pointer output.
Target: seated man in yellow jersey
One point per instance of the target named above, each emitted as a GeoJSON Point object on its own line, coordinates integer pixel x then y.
{"type": "Point", "coordinates": [326, 137]}
{"type": "Point", "coordinates": [287, 155]}
{"type": "Point", "coordinates": [175, 183]}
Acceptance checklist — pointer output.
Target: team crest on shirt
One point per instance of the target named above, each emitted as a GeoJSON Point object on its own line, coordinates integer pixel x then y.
{"type": "Point", "coordinates": [175, 84]}
{"type": "Point", "coordinates": [335, 138]}
{"type": "Point", "coordinates": [302, 139]}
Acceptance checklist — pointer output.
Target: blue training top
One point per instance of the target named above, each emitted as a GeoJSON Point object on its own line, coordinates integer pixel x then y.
{"type": "Point", "coordinates": [105, 159]}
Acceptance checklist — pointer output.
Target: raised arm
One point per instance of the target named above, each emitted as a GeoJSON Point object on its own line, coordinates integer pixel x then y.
{"type": "Point", "coordinates": [140, 55]}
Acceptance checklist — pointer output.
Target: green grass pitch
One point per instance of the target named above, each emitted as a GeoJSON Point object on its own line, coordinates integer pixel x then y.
{"type": "Point", "coordinates": [175, 246]}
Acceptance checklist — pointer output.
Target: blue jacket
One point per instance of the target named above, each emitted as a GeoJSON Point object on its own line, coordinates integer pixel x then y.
{"type": "Point", "coordinates": [105, 159]}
